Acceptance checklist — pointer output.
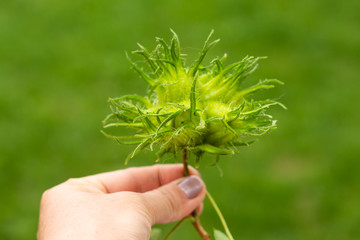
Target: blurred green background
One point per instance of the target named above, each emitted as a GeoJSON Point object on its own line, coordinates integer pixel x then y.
{"type": "Point", "coordinates": [61, 60]}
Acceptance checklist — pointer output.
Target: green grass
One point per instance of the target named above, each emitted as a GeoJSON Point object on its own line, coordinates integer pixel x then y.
{"type": "Point", "coordinates": [60, 61]}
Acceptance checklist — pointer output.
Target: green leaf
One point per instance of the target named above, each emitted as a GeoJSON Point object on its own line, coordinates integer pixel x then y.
{"type": "Point", "coordinates": [108, 118]}
{"type": "Point", "coordinates": [214, 118]}
{"type": "Point", "coordinates": [202, 123]}
{"type": "Point", "coordinates": [265, 84]}
{"type": "Point", "coordinates": [136, 98]}
{"type": "Point", "coordinates": [140, 147]}
{"type": "Point", "coordinates": [122, 124]}
{"type": "Point", "coordinates": [261, 107]}
{"type": "Point", "coordinates": [228, 127]}
{"type": "Point", "coordinates": [127, 140]}
{"type": "Point", "coordinates": [218, 235]}
{"type": "Point", "coordinates": [245, 67]}
{"type": "Point", "coordinates": [147, 122]}
{"type": "Point", "coordinates": [123, 105]}
{"type": "Point", "coordinates": [218, 64]}
{"type": "Point", "coordinates": [214, 150]}
{"type": "Point", "coordinates": [227, 70]}
{"type": "Point", "coordinates": [143, 52]}
{"type": "Point", "coordinates": [165, 47]}
{"type": "Point", "coordinates": [179, 106]}
{"type": "Point", "coordinates": [216, 163]}
{"type": "Point", "coordinates": [157, 115]}
{"type": "Point", "coordinates": [206, 48]}
{"type": "Point", "coordinates": [165, 61]}
{"type": "Point", "coordinates": [161, 153]}
{"type": "Point", "coordinates": [269, 101]}
{"type": "Point", "coordinates": [239, 143]}
{"type": "Point", "coordinates": [193, 99]}
{"type": "Point", "coordinates": [155, 234]}
{"type": "Point", "coordinates": [169, 118]}
{"type": "Point", "coordinates": [198, 156]}
{"type": "Point", "coordinates": [162, 68]}
{"type": "Point", "coordinates": [175, 47]}
{"type": "Point", "coordinates": [146, 77]}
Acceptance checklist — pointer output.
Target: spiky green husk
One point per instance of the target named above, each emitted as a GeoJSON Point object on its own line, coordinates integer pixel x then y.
{"type": "Point", "coordinates": [201, 109]}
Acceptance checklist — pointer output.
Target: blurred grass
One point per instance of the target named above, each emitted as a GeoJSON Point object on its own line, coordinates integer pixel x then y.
{"type": "Point", "coordinates": [61, 60]}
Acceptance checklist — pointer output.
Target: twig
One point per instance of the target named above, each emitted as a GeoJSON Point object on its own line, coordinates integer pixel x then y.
{"type": "Point", "coordinates": [196, 223]}
{"type": "Point", "coordinates": [221, 217]}
{"type": "Point", "coordinates": [185, 162]}
{"type": "Point", "coordinates": [177, 226]}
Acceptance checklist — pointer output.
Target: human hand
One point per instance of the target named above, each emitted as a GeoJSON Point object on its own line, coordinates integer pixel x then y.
{"type": "Point", "coordinates": [123, 204]}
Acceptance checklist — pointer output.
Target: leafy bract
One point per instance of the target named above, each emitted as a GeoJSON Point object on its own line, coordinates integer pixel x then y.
{"type": "Point", "coordinates": [218, 235]}
{"type": "Point", "coordinates": [204, 109]}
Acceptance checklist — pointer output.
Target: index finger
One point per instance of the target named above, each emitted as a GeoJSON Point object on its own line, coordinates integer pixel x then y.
{"type": "Point", "coordinates": [141, 179]}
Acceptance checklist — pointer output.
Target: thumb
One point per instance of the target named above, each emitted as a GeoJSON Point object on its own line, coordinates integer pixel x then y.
{"type": "Point", "coordinates": [175, 200]}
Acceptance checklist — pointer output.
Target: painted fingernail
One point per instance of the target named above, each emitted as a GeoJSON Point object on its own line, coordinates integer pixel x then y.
{"type": "Point", "coordinates": [191, 186]}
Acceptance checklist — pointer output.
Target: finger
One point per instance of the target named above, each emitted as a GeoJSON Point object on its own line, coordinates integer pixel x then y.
{"type": "Point", "coordinates": [141, 179]}
{"type": "Point", "coordinates": [199, 209]}
{"type": "Point", "coordinates": [175, 200]}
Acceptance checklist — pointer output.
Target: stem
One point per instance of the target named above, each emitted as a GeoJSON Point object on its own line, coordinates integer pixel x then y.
{"type": "Point", "coordinates": [199, 228]}
{"type": "Point", "coordinates": [221, 217]}
{"type": "Point", "coordinates": [177, 226]}
{"type": "Point", "coordinates": [185, 163]}
{"type": "Point", "coordinates": [197, 225]}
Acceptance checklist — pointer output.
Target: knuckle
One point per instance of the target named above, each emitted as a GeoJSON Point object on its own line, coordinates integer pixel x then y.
{"type": "Point", "coordinates": [79, 184]}
{"type": "Point", "coordinates": [47, 196]}
{"type": "Point", "coordinates": [71, 181]}
{"type": "Point", "coordinates": [53, 192]}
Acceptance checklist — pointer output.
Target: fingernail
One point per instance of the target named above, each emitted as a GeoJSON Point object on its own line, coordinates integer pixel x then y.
{"type": "Point", "coordinates": [191, 186]}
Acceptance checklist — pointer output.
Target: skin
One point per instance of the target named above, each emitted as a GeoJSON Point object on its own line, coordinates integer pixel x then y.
{"type": "Point", "coordinates": [122, 204]}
